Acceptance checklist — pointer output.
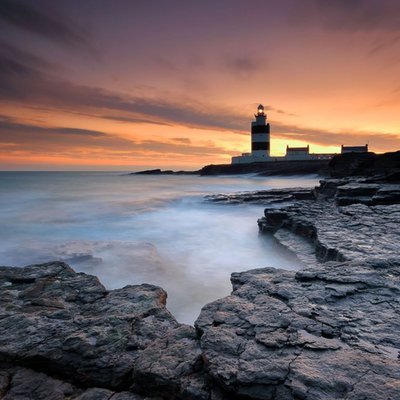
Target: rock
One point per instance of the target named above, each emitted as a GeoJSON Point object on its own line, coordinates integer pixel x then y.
{"type": "Point", "coordinates": [322, 333]}
{"type": "Point", "coordinates": [69, 327]}
{"type": "Point", "coordinates": [265, 197]}
{"type": "Point", "coordinates": [386, 166]}
{"type": "Point", "coordinates": [164, 172]}
{"type": "Point", "coordinates": [23, 384]}
{"type": "Point", "coordinates": [388, 194]}
{"type": "Point", "coordinates": [268, 168]}
{"type": "Point", "coordinates": [161, 366]}
{"type": "Point", "coordinates": [328, 331]}
{"type": "Point", "coordinates": [353, 231]}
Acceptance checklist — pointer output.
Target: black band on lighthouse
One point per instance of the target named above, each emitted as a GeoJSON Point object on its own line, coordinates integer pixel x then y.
{"type": "Point", "coordinates": [260, 146]}
{"type": "Point", "coordinates": [260, 129]}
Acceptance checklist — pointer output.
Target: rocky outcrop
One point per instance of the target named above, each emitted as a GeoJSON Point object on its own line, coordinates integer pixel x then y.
{"type": "Point", "coordinates": [323, 333]}
{"type": "Point", "coordinates": [67, 326]}
{"type": "Point", "coordinates": [268, 168]}
{"type": "Point", "coordinates": [347, 220]}
{"type": "Point", "coordinates": [386, 165]}
{"type": "Point", "coordinates": [328, 331]}
{"type": "Point", "coordinates": [264, 197]}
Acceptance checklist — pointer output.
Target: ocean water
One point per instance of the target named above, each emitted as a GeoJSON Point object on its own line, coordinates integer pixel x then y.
{"type": "Point", "coordinates": [131, 229]}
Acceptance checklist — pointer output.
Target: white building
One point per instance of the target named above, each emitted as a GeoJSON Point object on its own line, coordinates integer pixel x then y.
{"type": "Point", "coordinates": [260, 145]}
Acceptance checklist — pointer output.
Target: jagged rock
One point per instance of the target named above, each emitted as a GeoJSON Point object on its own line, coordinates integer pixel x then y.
{"type": "Point", "coordinates": [351, 232]}
{"type": "Point", "coordinates": [68, 326]}
{"type": "Point", "coordinates": [161, 366]}
{"type": "Point", "coordinates": [22, 384]}
{"type": "Point", "coordinates": [326, 333]}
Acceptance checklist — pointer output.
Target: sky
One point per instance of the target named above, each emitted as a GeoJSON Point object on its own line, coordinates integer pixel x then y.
{"type": "Point", "coordinates": [134, 84]}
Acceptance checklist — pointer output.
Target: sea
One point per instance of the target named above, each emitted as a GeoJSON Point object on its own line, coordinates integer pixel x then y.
{"type": "Point", "coordinates": [132, 229]}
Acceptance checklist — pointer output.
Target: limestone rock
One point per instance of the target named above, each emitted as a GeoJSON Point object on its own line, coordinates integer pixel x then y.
{"type": "Point", "coordinates": [326, 333]}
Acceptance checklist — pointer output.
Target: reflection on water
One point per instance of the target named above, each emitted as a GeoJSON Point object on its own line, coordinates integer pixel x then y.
{"type": "Point", "coordinates": [132, 229]}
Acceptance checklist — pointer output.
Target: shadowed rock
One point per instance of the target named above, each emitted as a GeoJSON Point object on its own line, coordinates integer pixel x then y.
{"type": "Point", "coordinates": [67, 325]}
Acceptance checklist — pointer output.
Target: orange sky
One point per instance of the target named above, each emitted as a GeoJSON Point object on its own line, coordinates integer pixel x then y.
{"type": "Point", "coordinates": [174, 84]}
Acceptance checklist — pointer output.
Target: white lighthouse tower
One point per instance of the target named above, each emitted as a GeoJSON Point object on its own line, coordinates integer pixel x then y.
{"type": "Point", "coordinates": [260, 135]}
{"type": "Point", "coordinates": [259, 140]}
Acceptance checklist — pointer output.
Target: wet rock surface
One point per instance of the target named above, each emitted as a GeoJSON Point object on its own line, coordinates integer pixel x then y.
{"type": "Point", "coordinates": [265, 197]}
{"type": "Point", "coordinates": [328, 331]}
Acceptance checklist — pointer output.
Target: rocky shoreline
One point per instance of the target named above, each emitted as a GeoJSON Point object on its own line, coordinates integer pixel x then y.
{"type": "Point", "coordinates": [328, 331]}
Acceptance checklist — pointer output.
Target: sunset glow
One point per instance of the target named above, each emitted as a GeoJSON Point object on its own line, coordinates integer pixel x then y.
{"type": "Point", "coordinates": [126, 85]}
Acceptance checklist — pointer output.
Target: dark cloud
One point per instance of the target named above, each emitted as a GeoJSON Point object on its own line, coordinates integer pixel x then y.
{"type": "Point", "coordinates": [122, 118]}
{"type": "Point", "coordinates": [244, 67]}
{"type": "Point", "coordinates": [53, 27]}
{"type": "Point", "coordinates": [23, 82]}
{"type": "Point", "coordinates": [7, 124]}
{"type": "Point", "coordinates": [65, 140]}
{"type": "Point", "coordinates": [347, 15]}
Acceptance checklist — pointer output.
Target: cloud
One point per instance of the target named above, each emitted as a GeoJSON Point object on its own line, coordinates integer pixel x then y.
{"type": "Point", "coordinates": [122, 118]}
{"type": "Point", "coordinates": [53, 27]}
{"type": "Point", "coordinates": [74, 141]}
{"type": "Point", "coordinates": [49, 139]}
{"type": "Point", "coordinates": [182, 140]}
{"type": "Point", "coordinates": [347, 15]}
{"type": "Point", "coordinates": [388, 141]}
{"type": "Point", "coordinates": [28, 83]}
{"type": "Point", "coordinates": [23, 80]}
{"type": "Point", "coordinates": [386, 49]}
{"type": "Point", "coordinates": [7, 124]}
{"type": "Point", "coordinates": [243, 67]}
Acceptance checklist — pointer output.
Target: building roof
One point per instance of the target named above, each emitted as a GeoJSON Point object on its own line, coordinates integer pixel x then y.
{"type": "Point", "coordinates": [355, 147]}
{"type": "Point", "coordinates": [288, 148]}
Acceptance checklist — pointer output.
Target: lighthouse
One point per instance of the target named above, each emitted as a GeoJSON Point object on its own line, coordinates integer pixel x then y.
{"type": "Point", "coordinates": [260, 146]}
{"type": "Point", "coordinates": [260, 134]}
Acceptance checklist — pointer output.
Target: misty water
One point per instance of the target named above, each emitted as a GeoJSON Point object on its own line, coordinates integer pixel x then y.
{"type": "Point", "coordinates": [131, 229]}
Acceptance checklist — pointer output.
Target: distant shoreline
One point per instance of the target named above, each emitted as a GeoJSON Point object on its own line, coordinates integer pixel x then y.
{"type": "Point", "coordinates": [259, 168]}
{"type": "Point", "coordinates": [349, 164]}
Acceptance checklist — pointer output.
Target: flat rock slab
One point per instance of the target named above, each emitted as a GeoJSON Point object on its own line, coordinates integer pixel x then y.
{"type": "Point", "coordinates": [353, 232]}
